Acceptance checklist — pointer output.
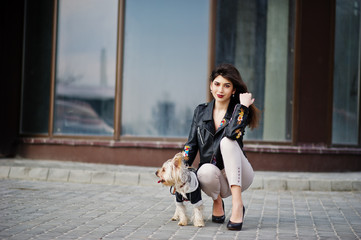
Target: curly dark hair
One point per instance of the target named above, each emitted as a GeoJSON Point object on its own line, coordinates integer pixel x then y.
{"type": "Point", "coordinates": [229, 72]}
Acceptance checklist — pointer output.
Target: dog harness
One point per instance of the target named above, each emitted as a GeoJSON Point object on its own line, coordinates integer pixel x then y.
{"type": "Point", "coordinates": [194, 194]}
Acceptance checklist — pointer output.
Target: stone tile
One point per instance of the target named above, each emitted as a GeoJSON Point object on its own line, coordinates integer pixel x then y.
{"type": "Point", "coordinates": [19, 172]}
{"type": "Point", "coordinates": [356, 185]}
{"type": "Point", "coordinates": [341, 185]}
{"type": "Point", "coordinates": [274, 184]}
{"type": "Point", "coordinates": [103, 177]}
{"type": "Point", "coordinates": [4, 171]}
{"type": "Point", "coordinates": [58, 175]}
{"type": "Point", "coordinates": [38, 173]}
{"type": "Point", "coordinates": [126, 178]}
{"type": "Point", "coordinates": [298, 185]}
{"type": "Point", "coordinates": [148, 179]}
{"type": "Point", "coordinates": [80, 176]}
{"type": "Point", "coordinates": [257, 183]}
{"type": "Point", "coordinates": [320, 185]}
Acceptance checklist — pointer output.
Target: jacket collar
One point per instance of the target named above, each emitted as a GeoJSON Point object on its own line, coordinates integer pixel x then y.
{"type": "Point", "coordinates": [208, 114]}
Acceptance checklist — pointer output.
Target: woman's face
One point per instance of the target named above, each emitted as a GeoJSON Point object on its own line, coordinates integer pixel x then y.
{"type": "Point", "coordinates": [222, 89]}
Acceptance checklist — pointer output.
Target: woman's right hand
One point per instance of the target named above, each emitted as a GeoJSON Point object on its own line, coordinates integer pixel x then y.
{"type": "Point", "coordinates": [246, 99]}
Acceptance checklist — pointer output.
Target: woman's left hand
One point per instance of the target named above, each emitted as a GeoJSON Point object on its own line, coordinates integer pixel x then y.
{"type": "Point", "coordinates": [246, 99]}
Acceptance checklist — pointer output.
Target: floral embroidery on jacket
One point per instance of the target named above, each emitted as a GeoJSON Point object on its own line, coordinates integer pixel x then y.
{"type": "Point", "coordinates": [239, 133]}
{"type": "Point", "coordinates": [223, 122]}
{"type": "Point", "coordinates": [240, 116]}
{"type": "Point", "coordinates": [186, 152]}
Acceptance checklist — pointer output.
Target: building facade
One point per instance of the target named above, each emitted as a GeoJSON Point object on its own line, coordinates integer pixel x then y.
{"type": "Point", "coordinates": [117, 81]}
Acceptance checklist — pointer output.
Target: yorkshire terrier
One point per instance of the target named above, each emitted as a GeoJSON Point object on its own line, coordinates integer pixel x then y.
{"type": "Point", "coordinates": [175, 174]}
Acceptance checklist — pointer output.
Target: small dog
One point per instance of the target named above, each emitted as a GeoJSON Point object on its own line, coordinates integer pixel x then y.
{"type": "Point", "coordinates": [175, 173]}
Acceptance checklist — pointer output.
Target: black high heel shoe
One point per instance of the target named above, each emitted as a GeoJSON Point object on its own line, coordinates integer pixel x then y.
{"type": "Point", "coordinates": [219, 219]}
{"type": "Point", "coordinates": [236, 226]}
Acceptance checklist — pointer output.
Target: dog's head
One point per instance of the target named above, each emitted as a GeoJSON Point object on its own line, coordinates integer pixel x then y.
{"type": "Point", "coordinates": [172, 171]}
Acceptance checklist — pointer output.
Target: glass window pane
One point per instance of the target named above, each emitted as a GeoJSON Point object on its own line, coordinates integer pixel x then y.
{"type": "Point", "coordinates": [165, 66]}
{"type": "Point", "coordinates": [37, 65]}
{"type": "Point", "coordinates": [85, 67]}
{"type": "Point", "coordinates": [257, 37]}
{"type": "Point", "coordinates": [346, 77]}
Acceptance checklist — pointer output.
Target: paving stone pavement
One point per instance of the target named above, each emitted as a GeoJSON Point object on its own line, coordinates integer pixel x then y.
{"type": "Point", "coordinates": [58, 210]}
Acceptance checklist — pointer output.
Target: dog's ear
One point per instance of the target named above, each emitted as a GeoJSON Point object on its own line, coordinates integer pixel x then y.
{"type": "Point", "coordinates": [177, 160]}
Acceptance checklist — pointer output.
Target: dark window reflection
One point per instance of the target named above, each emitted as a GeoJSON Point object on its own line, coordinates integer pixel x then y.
{"type": "Point", "coordinates": [257, 37]}
{"type": "Point", "coordinates": [346, 95]}
{"type": "Point", "coordinates": [37, 65]}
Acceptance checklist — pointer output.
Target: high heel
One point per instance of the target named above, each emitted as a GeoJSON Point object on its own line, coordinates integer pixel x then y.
{"type": "Point", "coordinates": [236, 226]}
{"type": "Point", "coordinates": [219, 219]}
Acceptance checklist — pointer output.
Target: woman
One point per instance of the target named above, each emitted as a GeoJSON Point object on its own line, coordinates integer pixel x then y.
{"type": "Point", "coordinates": [217, 133]}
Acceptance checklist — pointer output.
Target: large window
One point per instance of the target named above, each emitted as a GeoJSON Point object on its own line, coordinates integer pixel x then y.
{"type": "Point", "coordinates": [165, 66]}
{"type": "Point", "coordinates": [346, 85]}
{"type": "Point", "coordinates": [85, 67]}
{"type": "Point", "coordinates": [257, 37]}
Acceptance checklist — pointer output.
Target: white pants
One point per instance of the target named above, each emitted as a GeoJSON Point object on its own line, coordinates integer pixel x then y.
{"type": "Point", "coordinates": [237, 171]}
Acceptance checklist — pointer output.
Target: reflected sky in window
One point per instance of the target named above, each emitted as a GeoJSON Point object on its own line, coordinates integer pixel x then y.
{"type": "Point", "coordinates": [86, 67]}
{"type": "Point", "coordinates": [165, 66]}
{"type": "Point", "coordinates": [87, 32]}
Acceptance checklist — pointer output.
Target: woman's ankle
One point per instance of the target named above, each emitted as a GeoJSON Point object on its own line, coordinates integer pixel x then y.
{"type": "Point", "coordinates": [237, 213]}
{"type": "Point", "coordinates": [218, 207]}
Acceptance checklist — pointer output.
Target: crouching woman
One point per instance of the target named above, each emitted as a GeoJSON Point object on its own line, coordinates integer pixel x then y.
{"type": "Point", "coordinates": [217, 132]}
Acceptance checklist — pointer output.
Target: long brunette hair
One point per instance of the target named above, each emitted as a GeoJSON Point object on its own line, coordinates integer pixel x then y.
{"type": "Point", "coordinates": [229, 72]}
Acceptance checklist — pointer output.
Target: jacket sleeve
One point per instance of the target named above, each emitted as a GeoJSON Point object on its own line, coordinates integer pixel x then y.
{"type": "Point", "coordinates": [236, 127]}
{"type": "Point", "coordinates": [191, 147]}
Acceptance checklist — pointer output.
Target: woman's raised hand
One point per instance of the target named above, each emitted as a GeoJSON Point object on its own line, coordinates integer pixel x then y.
{"type": "Point", "coordinates": [246, 99]}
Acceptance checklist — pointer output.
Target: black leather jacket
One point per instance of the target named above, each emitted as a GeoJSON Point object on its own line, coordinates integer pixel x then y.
{"type": "Point", "coordinates": [206, 139]}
